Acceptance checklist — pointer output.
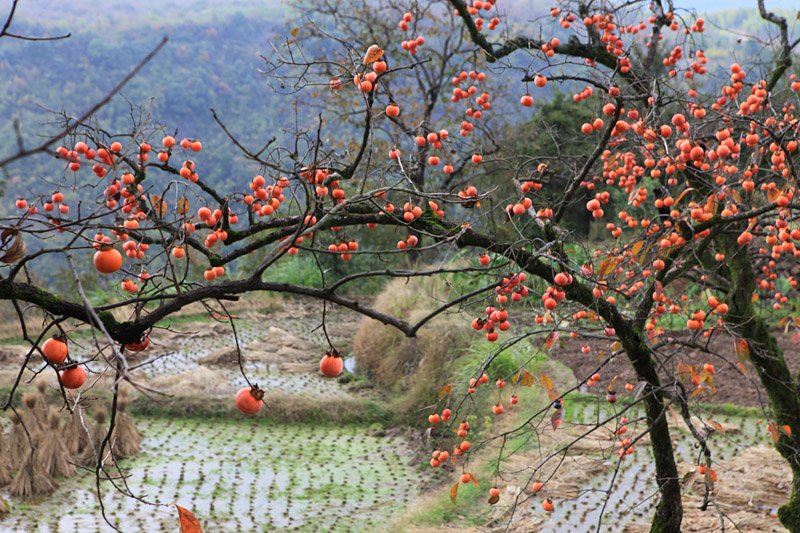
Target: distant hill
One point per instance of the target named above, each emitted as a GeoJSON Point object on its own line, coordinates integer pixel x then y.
{"type": "Point", "coordinates": [212, 60]}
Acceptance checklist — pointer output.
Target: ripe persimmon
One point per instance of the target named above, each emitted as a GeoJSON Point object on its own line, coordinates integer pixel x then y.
{"type": "Point", "coordinates": [331, 365]}
{"type": "Point", "coordinates": [55, 350]}
{"type": "Point", "coordinates": [73, 378]}
{"type": "Point", "coordinates": [249, 400]}
{"type": "Point", "coordinates": [107, 259]}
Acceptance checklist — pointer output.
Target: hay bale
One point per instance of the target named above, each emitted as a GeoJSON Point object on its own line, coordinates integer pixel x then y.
{"type": "Point", "coordinates": [416, 366]}
{"type": "Point", "coordinates": [52, 455]}
{"type": "Point", "coordinates": [127, 439]}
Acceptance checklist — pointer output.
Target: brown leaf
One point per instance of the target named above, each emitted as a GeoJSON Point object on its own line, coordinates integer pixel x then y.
{"type": "Point", "coordinates": [183, 205]}
{"type": "Point", "coordinates": [546, 382]}
{"type": "Point", "coordinates": [556, 419]}
{"type": "Point", "coordinates": [608, 266]}
{"type": "Point", "coordinates": [159, 205]}
{"type": "Point", "coordinates": [454, 492]}
{"type": "Point", "coordinates": [716, 425]}
{"type": "Point", "coordinates": [295, 31]}
{"type": "Point", "coordinates": [445, 391]}
{"type": "Point", "coordinates": [637, 247]}
{"type": "Point", "coordinates": [373, 54]}
{"type": "Point", "coordinates": [14, 251]}
{"type": "Point", "coordinates": [516, 376]}
{"type": "Point", "coordinates": [551, 340]}
{"type": "Point", "coordinates": [527, 379]}
{"type": "Point", "coordinates": [688, 478]}
{"type": "Point", "coordinates": [189, 523]}
{"type": "Point", "coordinates": [680, 196]}
{"type": "Point", "coordinates": [494, 499]}
{"type": "Point", "coordinates": [474, 479]}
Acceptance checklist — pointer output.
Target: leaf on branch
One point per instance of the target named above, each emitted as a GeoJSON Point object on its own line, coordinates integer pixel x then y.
{"type": "Point", "coordinates": [556, 419]}
{"type": "Point", "coordinates": [637, 247]}
{"type": "Point", "coordinates": [445, 391]}
{"type": "Point", "coordinates": [373, 54]}
{"type": "Point", "coordinates": [688, 479]}
{"type": "Point", "coordinates": [742, 350]}
{"type": "Point", "coordinates": [717, 426]}
{"type": "Point", "coordinates": [474, 479]}
{"type": "Point", "coordinates": [188, 521]}
{"type": "Point", "coordinates": [608, 266]}
{"type": "Point", "coordinates": [551, 340]}
{"type": "Point", "coordinates": [773, 194]}
{"type": "Point", "coordinates": [493, 499]}
{"type": "Point", "coordinates": [14, 251]}
{"type": "Point", "coordinates": [681, 195]}
{"type": "Point", "coordinates": [787, 429]}
{"type": "Point", "coordinates": [711, 204]}
{"type": "Point", "coordinates": [295, 31]}
{"type": "Point", "coordinates": [773, 430]}
{"type": "Point", "coordinates": [527, 379]}
{"type": "Point", "coordinates": [546, 382]}
{"type": "Point", "coordinates": [159, 205]}
{"type": "Point", "coordinates": [454, 492]}
{"type": "Point", "coordinates": [183, 205]}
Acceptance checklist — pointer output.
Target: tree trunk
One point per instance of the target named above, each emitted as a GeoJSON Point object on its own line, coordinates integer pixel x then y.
{"type": "Point", "coordinates": [770, 365]}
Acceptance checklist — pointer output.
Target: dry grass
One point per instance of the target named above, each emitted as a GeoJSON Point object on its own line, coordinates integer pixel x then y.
{"type": "Point", "coordinates": [414, 367]}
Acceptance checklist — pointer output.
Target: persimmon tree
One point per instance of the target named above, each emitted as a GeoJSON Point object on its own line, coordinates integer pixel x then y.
{"type": "Point", "coordinates": [707, 165]}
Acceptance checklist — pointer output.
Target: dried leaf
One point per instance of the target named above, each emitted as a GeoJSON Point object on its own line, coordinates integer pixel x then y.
{"type": "Point", "coordinates": [295, 31]}
{"type": "Point", "coordinates": [688, 479]}
{"type": "Point", "coordinates": [773, 430]}
{"type": "Point", "coordinates": [711, 204]}
{"type": "Point", "coordinates": [546, 382]}
{"type": "Point", "coordinates": [742, 350]}
{"type": "Point", "coordinates": [493, 499]}
{"type": "Point", "coordinates": [474, 479]}
{"type": "Point", "coordinates": [445, 391]}
{"type": "Point", "coordinates": [527, 379]}
{"type": "Point", "coordinates": [551, 340]}
{"type": "Point", "coordinates": [772, 194]}
{"type": "Point", "coordinates": [373, 54]}
{"type": "Point", "coordinates": [14, 251]}
{"type": "Point", "coordinates": [183, 205]}
{"type": "Point", "coordinates": [680, 196]}
{"type": "Point", "coordinates": [516, 376]}
{"type": "Point", "coordinates": [556, 419]}
{"type": "Point", "coordinates": [717, 426]}
{"type": "Point", "coordinates": [742, 368]}
{"type": "Point", "coordinates": [159, 205]}
{"type": "Point", "coordinates": [608, 266]}
{"type": "Point", "coordinates": [189, 523]}
{"type": "Point", "coordinates": [454, 492]}
{"type": "Point", "coordinates": [637, 247]}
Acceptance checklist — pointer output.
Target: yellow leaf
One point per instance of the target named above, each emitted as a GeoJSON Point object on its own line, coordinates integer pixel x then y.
{"type": "Point", "coordinates": [637, 247]}
{"type": "Point", "coordinates": [295, 31]}
{"type": "Point", "coordinates": [527, 379]}
{"type": "Point", "coordinates": [159, 205]}
{"type": "Point", "coordinates": [608, 266]}
{"type": "Point", "coordinates": [616, 346]}
{"type": "Point", "coordinates": [711, 204]}
{"type": "Point", "coordinates": [373, 54]}
{"type": "Point", "coordinates": [772, 194]}
{"type": "Point", "coordinates": [515, 377]}
{"type": "Point", "coordinates": [454, 492]}
{"type": "Point", "coordinates": [546, 382]}
{"type": "Point", "coordinates": [183, 205]}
